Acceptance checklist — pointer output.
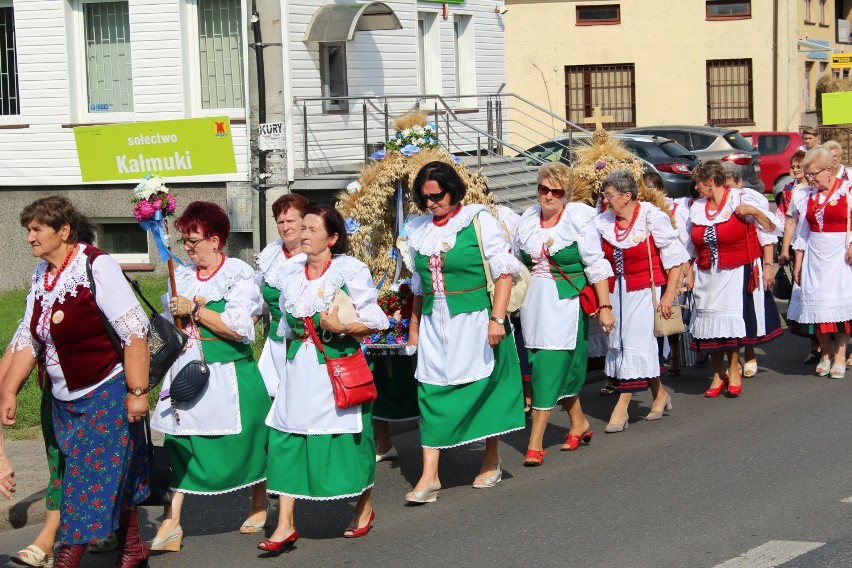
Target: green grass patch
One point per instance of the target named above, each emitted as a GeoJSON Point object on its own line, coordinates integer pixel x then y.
{"type": "Point", "coordinates": [12, 305]}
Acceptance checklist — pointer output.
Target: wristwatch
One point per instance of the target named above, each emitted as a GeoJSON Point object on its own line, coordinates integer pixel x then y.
{"type": "Point", "coordinates": [137, 391]}
{"type": "Point", "coordinates": [495, 319]}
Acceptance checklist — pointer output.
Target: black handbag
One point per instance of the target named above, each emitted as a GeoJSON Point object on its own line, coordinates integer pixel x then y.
{"type": "Point", "coordinates": [190, 381]}
{"type": "Point", "coordinates": [783, 286]}
{"type": "Point", "coordinates": [165, 341]}
{"type": "Point", "coordinates": [159, 471]}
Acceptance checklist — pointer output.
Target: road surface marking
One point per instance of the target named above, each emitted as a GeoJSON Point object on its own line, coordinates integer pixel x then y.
{"type": "Point", "coordinates": [771, 554]}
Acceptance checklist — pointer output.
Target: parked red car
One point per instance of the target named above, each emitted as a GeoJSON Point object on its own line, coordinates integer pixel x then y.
{"type": "Point", "coordinates": [775, 149]}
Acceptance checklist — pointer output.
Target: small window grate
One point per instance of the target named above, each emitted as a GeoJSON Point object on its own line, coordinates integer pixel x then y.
{"type": "Point", "coordinates": [730, 91]}
{"type": "Point", "coordinates": [610, 87]}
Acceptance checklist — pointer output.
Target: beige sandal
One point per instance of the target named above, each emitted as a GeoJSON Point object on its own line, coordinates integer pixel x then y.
{"type": "Point", "coordinates": [33, 556]}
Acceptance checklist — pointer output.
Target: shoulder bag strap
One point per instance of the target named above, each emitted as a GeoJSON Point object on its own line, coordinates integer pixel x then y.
{"type": "Point", "coordinates": [650, 262]}
{"type": "Point", "coordinates": [488, 279]}
{"type": "Point", "coordinates": [138, 289]}
{"type": "Point", "coordinates": [559, 270]}
{"type": "Point", "coordinates": [309, 324]}
{"type": "Point", "coordinates": [113, 337]}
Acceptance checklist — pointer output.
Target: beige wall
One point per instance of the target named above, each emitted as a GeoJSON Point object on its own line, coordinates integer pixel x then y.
{"type": "Point", "coordinates": [810, 70]}
{"type": "Point", "coordinates": [667, 41]}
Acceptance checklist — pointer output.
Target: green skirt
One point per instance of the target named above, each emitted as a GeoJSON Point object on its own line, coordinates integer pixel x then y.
{"type": "Point", "coordinates": [55, 461]}
{"type": "Point", "coordinates": [460, 414]}
{"type": "Point", "coordinates": [220, 464]}
{"type": "Point", "coordinates": [397, 387]}
{"type": "Point", "coordinates": [322, 467]}
{"type": "Point", "coordinates": [558, 374]}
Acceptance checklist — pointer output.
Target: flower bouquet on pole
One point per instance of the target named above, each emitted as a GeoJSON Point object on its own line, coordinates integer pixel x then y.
{"type": "Point", "coordinates": [152, 205]}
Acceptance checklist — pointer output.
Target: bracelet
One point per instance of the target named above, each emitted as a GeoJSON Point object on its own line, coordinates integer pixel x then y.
{"type": "Point", "coordinates": [602, 307]}
{"type": "Point", "coordinates": [768, 264]}
{"type": "Point", "coordinates": [345, 331]}
{"type": "Point", "coordinates": [196, 312]}
{"type": "Point", "coordinates": [415, 321]}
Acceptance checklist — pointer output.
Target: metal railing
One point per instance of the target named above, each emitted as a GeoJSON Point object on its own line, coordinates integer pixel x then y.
{"type": "Point", "coordinates": [501, 133]}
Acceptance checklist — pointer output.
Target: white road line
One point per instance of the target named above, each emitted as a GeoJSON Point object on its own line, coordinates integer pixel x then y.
{"type": "Point", "coordinates": [771, 554]}
{"type": "Point", "coordinates": [847, 500]}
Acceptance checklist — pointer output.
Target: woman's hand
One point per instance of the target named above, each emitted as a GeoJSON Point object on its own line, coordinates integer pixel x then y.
{"type": "Point", "coordinates": [849, 255]}
{"type": "Point", "coordinates": [783, 258]}
{"type": "Point", "coordinates": [181, 306]}
{"type": "Point", "coordinates": [797, 275]}
{"type": "Point", "coordinates": [137, 407]}
{"type": "Point", "coordinates": [329, 320]}
{"type": "Point", "coordinates": [8, 408]}
{"type": "Point", "coordinates": [665, 304]}
{"type": "Point", "coordinates": [768, 276]}
{"type": "Point", "coordinates": [689, 280]}
{"type": "Point", "coordinates": [744, 209]}
{"type": "Point", "coordinates": [496, 333]}
{"type": "Point", "coordinates": [606, 319]}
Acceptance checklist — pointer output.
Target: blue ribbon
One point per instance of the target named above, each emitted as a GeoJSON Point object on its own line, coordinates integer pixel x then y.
{"type": "Point", "coordinates": [155, 225]}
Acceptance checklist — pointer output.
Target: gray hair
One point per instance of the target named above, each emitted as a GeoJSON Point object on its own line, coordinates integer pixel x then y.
{"type": "Point", "coordinates": [622, 182]}
{"type": "Point", "coordinates": [732, 171]}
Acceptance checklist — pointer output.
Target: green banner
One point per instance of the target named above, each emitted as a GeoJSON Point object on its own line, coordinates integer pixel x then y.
{"type": "Point", "coordinates": [169, 148]}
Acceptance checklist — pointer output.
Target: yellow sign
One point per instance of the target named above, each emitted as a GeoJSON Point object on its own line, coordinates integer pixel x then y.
{"type": "Point", "coordinates": [841, 61]}
{"type": "Point", "coordinates": [837, 108]}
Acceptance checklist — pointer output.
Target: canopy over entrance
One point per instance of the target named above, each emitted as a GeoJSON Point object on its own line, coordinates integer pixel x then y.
{"type": "Point", "coordinates": [339, 22]}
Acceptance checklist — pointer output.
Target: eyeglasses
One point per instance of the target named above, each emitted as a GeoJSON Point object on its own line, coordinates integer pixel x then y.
{"type": "Point", "coordinates": [191, 243]}
{"type": "Point", "coordinates": [434, 197]}
{"type": "Point", "coordinates": [610, 196]}
{"type": "Point", "coordinates": [812, 175]}
{"type": "Point", "coordinates": [544, 190]}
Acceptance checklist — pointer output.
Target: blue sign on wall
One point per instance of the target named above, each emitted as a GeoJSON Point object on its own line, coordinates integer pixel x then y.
{"type": "Point", "coordinates": [819, 55]}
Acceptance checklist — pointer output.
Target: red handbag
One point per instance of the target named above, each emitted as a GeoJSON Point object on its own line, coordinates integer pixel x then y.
{"type": "Point", "coordinates": [588, 297]}
{"type": "Point", "coordinates": [351, 378]}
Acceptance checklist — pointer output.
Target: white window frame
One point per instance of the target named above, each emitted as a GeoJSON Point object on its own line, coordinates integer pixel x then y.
{"type": "Point", "coordinates": [192, 77]}
{"type": "Point", "coordinates": [126, 258]}
{"type": "Point", "coordinates": [823, 12]}
{"type": "Point", "coordinates": [464, 47]}
{"type": "Point", "coordinates": [77, 68]}
{"type": "Point", "coordinates": [808, 8]}
{"type": "Point", "coordinates": [13, 118]}
{"type": "Point", "coordinates": [325, 80]}
{"type": "Point", "coordinates": [430, 80]}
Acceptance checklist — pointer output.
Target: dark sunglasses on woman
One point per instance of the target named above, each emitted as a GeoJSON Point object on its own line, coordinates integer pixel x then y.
{"type": "Point", "coordinates": [544, 190]}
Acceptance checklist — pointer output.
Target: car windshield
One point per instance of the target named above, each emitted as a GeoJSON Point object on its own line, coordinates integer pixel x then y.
{"type": "Point", "coordinates": [675, 150]}
{"type": "Point", "coordinates": [736, 140]}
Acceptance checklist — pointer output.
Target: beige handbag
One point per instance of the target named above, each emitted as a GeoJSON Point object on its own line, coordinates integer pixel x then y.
{"type": "Point", "coordinates": [662, 327]}
{"type": "Point", "coordinates": [520, 282]}
{"type": "Point", "coordinates": [346, 309]}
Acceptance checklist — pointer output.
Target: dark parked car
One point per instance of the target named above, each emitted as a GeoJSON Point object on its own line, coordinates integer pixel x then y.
{"type": "Point", "coordinates": [710, 143]}
{"type": "Point", "coordinates": [776, 149]}
{"type": "Point", "coordinates": [672, 161]}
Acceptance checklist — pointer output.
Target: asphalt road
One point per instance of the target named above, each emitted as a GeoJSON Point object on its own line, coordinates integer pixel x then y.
{"type": "Point", "coordinates": [758, 481]}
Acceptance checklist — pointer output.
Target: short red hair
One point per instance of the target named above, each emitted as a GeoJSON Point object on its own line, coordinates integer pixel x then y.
{"type": "Point", "coordinates": [206, 218]}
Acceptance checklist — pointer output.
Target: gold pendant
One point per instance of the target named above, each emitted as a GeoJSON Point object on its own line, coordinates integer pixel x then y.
{"type": "Point", "coordinates": [637, 238]}
{"type": "Point", "coordinates": [320, 293]}
{"type": "Point", "coordinates": [833, 203]}
{"type": "Point", "coordinates": [58, 316]}
{"type": "Point", "coordinates": [549, 243]}
{"type": "Point", "coordinates": [726, 215]}
{"type": "Point", "coordinates": [446, 247]}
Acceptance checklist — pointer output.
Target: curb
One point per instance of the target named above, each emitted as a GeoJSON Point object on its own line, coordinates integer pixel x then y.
{"type": "Point", "coordinates": [25, 511]}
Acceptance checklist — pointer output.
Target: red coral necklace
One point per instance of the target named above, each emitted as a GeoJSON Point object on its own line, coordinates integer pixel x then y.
{"type": "Point", "coordinates": [621, 234]}
{"type": "Point", "coordinates": [212, 274]}
{"type": "Point", "coordinates": [719, 209]}
{"type": "Point", "coordinates": [48, 287]}
{"type": "Point", "coordinates": [324, 270]}
{"type": "Point", "coordinates": [446, 219]}
{"type": "Point", "coordinates": [558, 218]}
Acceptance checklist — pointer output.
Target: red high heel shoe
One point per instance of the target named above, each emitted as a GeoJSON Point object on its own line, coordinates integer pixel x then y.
{"type": "Point", "coordinates": [360, 531]}
{"type": "Point", "coordinates": [534, 458]}
{"type": "Point", "coordinates": [573, 441]}
{"type": "Point", "coordinates": [735, 390]}
{"type": "Point", "coordinates": [714, 392]}
{"type": "Point", "coordinates": [276, 547]}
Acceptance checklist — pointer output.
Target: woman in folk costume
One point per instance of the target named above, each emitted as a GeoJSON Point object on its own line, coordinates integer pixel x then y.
{"type": "Point", "coordinates": [642, 246]}
{"type": "Point", "coordinates": [89, 333]}
{"type": "Point", "coordinates": [217, 442]}
{"type": "Point", "coordinates": [560, 245]}
{"type": "Point", "coordinates": [467, 363]}
{"type": "Point", "coordinates": [288, 211]}
{"type": "Point", "coordinates": [728, 228]}
{"type": "Point", "coordinates": [823, 259]}
{"type": "Point", "coordinates": [318, 451]}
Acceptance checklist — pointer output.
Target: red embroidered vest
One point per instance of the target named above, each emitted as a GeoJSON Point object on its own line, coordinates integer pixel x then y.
{"type": "Point", "coordinates": [834, 220]}
{"type": "Point", "coordinates": [736, 244]}
{"type": "Point", "coordinates": [637, 273]}
{"type": "Point", "coordinates": [86, 354]}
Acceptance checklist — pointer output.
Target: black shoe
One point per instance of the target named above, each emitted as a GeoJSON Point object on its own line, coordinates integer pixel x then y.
{"type": "Point", "coordinates": [813, 357]}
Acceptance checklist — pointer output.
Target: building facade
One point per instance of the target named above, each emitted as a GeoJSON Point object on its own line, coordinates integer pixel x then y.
{"type": "Point", "coordinates": [739, 63]}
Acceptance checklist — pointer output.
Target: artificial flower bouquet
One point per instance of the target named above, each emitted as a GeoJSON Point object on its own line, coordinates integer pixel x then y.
{"type": "Point", "coordinates": [150, 197]}
{"type": "Point", "coordinates": [396, 302]}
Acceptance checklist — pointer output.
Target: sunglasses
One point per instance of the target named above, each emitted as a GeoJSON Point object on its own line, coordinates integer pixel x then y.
{"type": "Point", "coordinates": [544, 190]}
{"type": "Point", "coordinates": [434, 197]}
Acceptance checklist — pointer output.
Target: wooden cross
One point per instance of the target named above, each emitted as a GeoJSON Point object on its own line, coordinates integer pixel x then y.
{"type": "Point", "coordinates": [598, 119]}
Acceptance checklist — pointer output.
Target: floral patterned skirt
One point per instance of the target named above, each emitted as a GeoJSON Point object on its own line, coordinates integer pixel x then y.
{"type": "Point", "coordinates": [106, 462]}
{"type": "Point", "coordinates": [55, 463]}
